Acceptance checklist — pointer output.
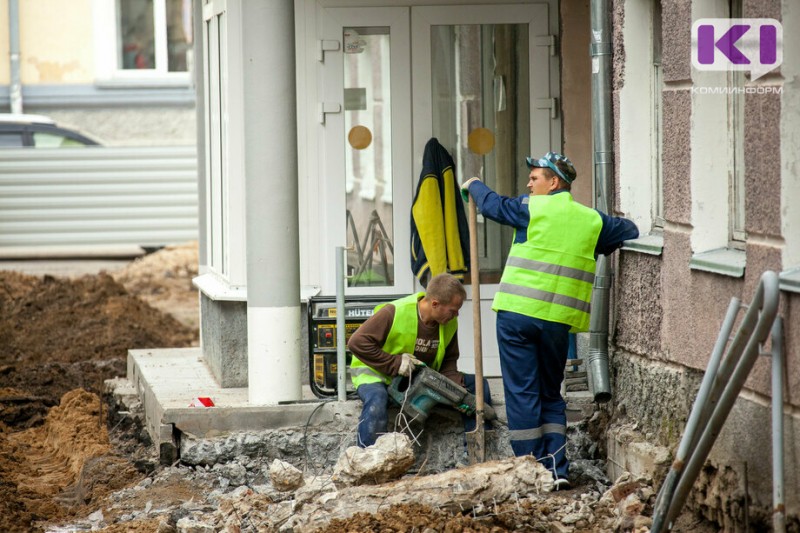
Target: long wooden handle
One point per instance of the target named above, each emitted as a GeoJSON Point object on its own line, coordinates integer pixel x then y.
{"type": "Point", "coordinates": [474, 271]}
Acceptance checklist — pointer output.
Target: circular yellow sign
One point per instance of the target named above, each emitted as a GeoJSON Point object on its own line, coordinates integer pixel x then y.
{"type": "Point", "coordinates": [359, 137]}
{"type": "Point", "coordinates": [480, 141]}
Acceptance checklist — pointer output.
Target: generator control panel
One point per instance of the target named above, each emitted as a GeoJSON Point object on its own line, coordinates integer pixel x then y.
{"type": "Point", "coordinates": [322, 338]}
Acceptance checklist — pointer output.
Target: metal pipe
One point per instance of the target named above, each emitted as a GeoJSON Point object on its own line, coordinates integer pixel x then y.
{"type": "Point", "coordinates": [15, 92]}
{"type": "Point", "coordinates": [778, 506]}
{"type": "Point", "coordinates": [731, 360]}
{"type": "Point", "coordinates": [699, 417]}
{"type": "Point", "coordinates": [597, 360]}
{"type": "Point", "coordinates": [341, 356]}
{"type": "Point", "coordinates": [765, 301]}
{"type": "Point", "coordinates": [696, 417]}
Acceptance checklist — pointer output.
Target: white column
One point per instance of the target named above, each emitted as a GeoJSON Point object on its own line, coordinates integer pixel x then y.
{"type": "Point", "coordinates": [271, 202]}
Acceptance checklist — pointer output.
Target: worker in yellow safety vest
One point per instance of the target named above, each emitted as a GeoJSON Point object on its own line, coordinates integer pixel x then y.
{"type": "Point", "coordinates": [544, 293]}
{"type": "Point", "coordinates": [418, 329]}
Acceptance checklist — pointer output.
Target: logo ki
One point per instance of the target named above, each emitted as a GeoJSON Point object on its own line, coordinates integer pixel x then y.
{"type": "Point", "coordinates": [737, 44]}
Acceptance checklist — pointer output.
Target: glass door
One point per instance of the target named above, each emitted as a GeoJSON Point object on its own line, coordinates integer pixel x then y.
{"type": "Point", "coordinates": [366, 119]}
{"type": "Point", "coordinates": [485, 99]}
{"type": "Point", "coordinates": [483, 79]}
{"type": "Point", "coordinates": [485, 85]}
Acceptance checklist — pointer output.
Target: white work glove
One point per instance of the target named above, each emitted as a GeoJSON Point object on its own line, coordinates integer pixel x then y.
{"type": "Point", "coordinates": [407, 364]}
{"type": "Point", "coordinates": [465, 188]}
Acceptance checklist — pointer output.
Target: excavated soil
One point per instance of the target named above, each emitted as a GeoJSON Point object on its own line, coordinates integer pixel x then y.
{"type": "Point", "coordinates": [60, 338]}
{"type": "Point", "coordinates": [64, 459]}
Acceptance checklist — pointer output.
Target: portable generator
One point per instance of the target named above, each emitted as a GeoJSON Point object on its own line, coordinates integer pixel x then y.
{"type": "Point", "coordinates": [322, 359]}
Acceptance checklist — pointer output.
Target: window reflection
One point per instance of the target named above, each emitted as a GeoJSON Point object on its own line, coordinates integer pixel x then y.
{"type": "Point", "coordinates": [368, 157]}
{"type": "Point", "coordinates": [141, 36]}
{"type": "Point", "coordinates": [136, 29]}
{"type": "Point", "coordinates": [179, 34]}
{"type": "Point", "coordinates": [480, 100]}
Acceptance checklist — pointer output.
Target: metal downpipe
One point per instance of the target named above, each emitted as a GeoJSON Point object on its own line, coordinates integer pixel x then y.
{"type": "Point", "coordinates": [15, 91]}
{"type": "Point", "coordinates": [597, 360]}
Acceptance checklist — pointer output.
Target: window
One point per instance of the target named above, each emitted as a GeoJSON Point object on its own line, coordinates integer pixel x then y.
{"type": "Point", "coordinates": [479, 94]}
{"type": "Point", "coordinates": [369, 211]}
{"type": "Point", "coordinates": [143, 40]}
{"type": "Point", "coordinates": [736, 127]}
{"type": "Point", "coordinates": [154, 35]}
{"type": "Point", "coordinates": [53, 140]}
{"type": "Point", "coordinates": [641, 112]}
{"type": "Point", "coordinates": [11, 140]}
{"type": "Point", "coordinates": [717, 171]}
{"type": "Point", "coordinates": [657, 121]}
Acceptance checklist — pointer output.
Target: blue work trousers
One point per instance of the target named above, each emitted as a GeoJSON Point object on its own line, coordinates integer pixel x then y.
{"type": "Point", "coordinates": [374, 418]}
{"type": "Point", "coordinates": [533, 354]}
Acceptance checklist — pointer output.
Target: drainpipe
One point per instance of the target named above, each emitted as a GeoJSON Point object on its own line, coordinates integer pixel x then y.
{"type": "Point", "coordinates": [15, 94]}
{"type": "Point", "coordinates": [597, 360]}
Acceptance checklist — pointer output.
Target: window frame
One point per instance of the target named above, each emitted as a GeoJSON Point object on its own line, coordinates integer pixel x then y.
{"type": "Point", "coordinates": [108, 70]}
{"type": "Point", "coordinates": [657, 122]}
{"type": "Point", "coordinates": [642, 96]}
{"type": "Point", "coordinates": [737, 236]}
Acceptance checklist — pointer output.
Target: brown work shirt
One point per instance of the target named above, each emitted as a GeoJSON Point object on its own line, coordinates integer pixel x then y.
{"type": "Point", "coordinates": [368, 340]}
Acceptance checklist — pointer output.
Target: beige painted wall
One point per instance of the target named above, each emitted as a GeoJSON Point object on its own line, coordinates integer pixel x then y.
{"type": "Point", "coordinates": [56, 42]}
{"type": "Point", "coordinates": [576, 94]}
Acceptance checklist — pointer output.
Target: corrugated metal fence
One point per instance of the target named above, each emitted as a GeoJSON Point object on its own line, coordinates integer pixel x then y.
{"type": "Point", "coordinates": [97, 197]}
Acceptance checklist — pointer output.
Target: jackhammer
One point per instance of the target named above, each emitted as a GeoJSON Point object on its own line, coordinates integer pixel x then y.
{"type": "Point", "coordinates": [426, 388]}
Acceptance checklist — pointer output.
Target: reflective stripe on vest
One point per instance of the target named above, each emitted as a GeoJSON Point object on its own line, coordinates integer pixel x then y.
{"type": "Point", "coordinates": [550, 275]}
{"type": "Point", "coordinates": [402, 338]}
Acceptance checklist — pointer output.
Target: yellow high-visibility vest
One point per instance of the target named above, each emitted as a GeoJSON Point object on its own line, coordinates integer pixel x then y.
{"type": "Point", "coordinates": [550, 275]}
{"type": "Point", "coordinates": [402, 339]}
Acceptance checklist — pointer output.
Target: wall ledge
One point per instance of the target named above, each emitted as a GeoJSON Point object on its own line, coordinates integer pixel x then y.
{"type": "Point", "coordinates": [724, 261]}
{"type": "Point", "coordinates": [218, 288]}
{"type": "Point", "coordinates": [651, 244]}
{"type": "Point", "coordinates": [790, 280]}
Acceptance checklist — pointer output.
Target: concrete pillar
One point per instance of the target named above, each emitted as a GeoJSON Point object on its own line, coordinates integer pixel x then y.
{"type": "Point", "coordinates": [271, 204]}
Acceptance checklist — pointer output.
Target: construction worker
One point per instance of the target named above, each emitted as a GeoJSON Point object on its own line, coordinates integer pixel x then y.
{"type": "Point", "coordinates": [417, 329]}
{"type": "Point", "coordinates": [544, 293]}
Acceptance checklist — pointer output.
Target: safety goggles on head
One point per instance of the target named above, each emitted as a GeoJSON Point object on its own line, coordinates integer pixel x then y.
{"type": "Point", "coordinates": [549, 161]}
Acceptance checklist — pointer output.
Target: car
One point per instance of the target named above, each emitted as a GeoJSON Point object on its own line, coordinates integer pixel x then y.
{"type": "Point", "coordinates": [37, 131]}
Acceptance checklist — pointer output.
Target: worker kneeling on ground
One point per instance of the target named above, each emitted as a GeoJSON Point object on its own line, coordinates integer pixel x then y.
{"type": "Point", "coordinates": [417, 329]}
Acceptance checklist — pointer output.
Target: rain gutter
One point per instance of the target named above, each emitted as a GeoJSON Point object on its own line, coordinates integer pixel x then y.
{"type": "Point", "coordinates": [597, 360]}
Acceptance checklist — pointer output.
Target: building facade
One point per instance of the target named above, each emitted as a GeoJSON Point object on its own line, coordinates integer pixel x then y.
{"type": "Point", "coordinates": [706, 163]}
{"type": "Point", "coordinates": [119, 71]}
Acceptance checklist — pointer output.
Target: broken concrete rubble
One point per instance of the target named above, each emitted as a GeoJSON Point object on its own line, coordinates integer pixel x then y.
{"type": "Point", "coordinates": [389, 458]}
{"type": "Point", "coordinates": [480, 485]}
{"type": "Point", "coordinates": [509, 493]}
{"type": "Point", "coordinates": [506, 495]}
{"type": "Point", "coordinates": [284, 476]}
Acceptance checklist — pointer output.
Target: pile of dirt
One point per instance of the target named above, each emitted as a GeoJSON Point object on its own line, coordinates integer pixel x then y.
{"type": "Point", "coordinates": [59, 469]}
{"type": "Point", "coordinates": [59, 334]}
{"type": "Point", "coordinates": [65, 337]}
{"type": "Point", "coordinates": [164, 280]}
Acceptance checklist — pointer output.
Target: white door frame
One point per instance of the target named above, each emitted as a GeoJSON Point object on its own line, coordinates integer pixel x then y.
{"type": "Point", "coordinates": [543, 88]}
{"type": "Point", "coordinates": [332, 183]}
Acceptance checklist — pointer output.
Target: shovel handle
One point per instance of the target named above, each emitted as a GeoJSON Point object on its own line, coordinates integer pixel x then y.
{"type": "Point", "coordinates": [474, 271]}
